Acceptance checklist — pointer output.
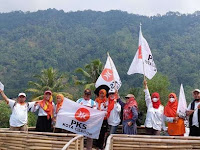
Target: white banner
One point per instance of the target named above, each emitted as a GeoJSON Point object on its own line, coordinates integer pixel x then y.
{"type": "Point", "coordinates": [143, 62]}
{"type": "Point", "coordinates": [109, 76]}
{"type": "Point", "coordinates": [1, 86]}
{"type": "Point", "coordinates": [182, 104]}
{"type": "Point", "coordinates": [80, 119]}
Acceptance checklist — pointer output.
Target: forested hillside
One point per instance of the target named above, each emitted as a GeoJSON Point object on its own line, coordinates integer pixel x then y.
{"type": "Point", "coordinates": [30, 42]}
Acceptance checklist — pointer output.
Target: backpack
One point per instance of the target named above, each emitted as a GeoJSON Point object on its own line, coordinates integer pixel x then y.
{"type": "Point", "coordinates": [27, 104]}
{"type": "Point", "coordinates": [92, 102]}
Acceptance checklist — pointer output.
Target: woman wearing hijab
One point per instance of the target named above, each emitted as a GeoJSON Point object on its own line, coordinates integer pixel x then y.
{"type": "Point", "coordinates": [45, 113]}
{"type": "Point", "coordinates": [102, 105]}
{"type": "Point", "coordinates": [176, 125]}
{"type": "Point", "coordinates": [130, 114]}
{"type": "Point", "coordinates": [155, 113]}
{"type": "Point", "coordinates": [59, 99]}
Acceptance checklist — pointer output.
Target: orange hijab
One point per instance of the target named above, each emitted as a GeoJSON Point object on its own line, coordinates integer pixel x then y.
{"type": "Point", "coordinates": [59, 104]}
{"type": "Point", "coordinates": [171, 108]}
{"type": "Point", "coordinates": [111, 104]}
{"type": "Point", "coordinates": [101, 100]}
{"type": "Point", "coordinates": [47, 106]}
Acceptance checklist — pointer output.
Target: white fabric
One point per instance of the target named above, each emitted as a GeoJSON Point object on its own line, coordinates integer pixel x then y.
{"type": "Point", "coordinates": [143, 62]}
{"type": "Point", "coordinates": [168, 119]}
{"type": "Point", "coordinates": [182, 104]}
{"type": "Point", "coordinates": [87, 103]}
{"type": "Point", "coordinates": [114, 118]}
{"type": "Point", "coordinates": [103, 107]}
{"type": "Point", "coordinates": [109, 76]}
{"type": "Point", "coordinates": [19, 114]}
{"type": "Point", "coordinates": [154, 117]}
{"type": "Point", "coordinates": [41, 111]}
{"type": "Point", "coordinates": [80, 119]}
{"type": "Point", "coordinates": [195, 114]}
{"type": "Point", "coordinates": [1, 86]}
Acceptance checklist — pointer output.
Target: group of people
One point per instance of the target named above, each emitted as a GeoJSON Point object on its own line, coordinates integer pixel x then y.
{"type": "Point", "coordinates": [157, 114]}
{"type": "Point", "coordinates": [111, 103]}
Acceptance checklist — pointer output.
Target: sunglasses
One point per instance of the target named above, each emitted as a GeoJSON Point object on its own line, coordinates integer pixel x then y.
{"type": "Point", "coordinates": [87, 94]}
{"type": "Point", "coordinates": [21, 96]}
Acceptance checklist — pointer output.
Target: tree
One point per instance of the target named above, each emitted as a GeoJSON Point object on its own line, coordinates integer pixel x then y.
{"type": "Point", "coordinates": [49, 79]}
{"type": "Point", "coordinates": [90, 74]}
{"type": "Point", "coordinates": [160, 83]}
{"type": "Point", "coordinates": [5, 115]}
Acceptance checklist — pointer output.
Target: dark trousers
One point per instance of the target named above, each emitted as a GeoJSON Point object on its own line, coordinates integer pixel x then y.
{"type": "Point", "coordinates": [194, 131]}
{"type": "Point", "coordinates": [151, 131]}
{"type": "Point", "coordinates": [101, 140]}
{"type": "Point", "coordinates": [43, 124]}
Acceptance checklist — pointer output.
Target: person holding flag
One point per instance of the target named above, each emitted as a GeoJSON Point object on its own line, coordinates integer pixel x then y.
{"type": "Point", "coordinates": [176, 126]}
{"type": "Point", "coordinates": [143, 62]}
{"type": "Point", "coordinates": [19, 117]}
{"type": "Point", "coordinates": [154, 122]}
{"type": "Point", "coordinates": [87, 101]}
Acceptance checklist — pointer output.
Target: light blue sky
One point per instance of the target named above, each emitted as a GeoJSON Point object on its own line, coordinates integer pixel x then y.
{"type": "Point", "coordinates": [142, 7]}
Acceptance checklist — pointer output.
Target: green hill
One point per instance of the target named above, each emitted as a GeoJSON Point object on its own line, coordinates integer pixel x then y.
{"type": "Point", "coordinates": [30, 42]}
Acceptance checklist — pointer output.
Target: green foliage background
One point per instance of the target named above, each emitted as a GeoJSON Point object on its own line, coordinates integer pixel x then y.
{"type": "Point", "coordinates": [30, 42]}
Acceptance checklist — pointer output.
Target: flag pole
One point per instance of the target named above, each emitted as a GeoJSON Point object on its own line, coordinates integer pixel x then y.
{"type": "Point", "coordinates": [142, 50]}
{"type": "Point", "coordinates": [111, 69]}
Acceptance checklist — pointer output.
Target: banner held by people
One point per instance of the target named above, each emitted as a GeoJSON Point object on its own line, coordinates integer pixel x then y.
{"type": "Point", "coordinates": [79, 119]}
{"type": "Point", "coordinates": [109, 76]}
{"type": "Point", "coordinates": [143, 62]}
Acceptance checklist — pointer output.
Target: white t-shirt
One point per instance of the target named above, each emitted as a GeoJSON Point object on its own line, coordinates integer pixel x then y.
{"type": "Point", "coordinates": [114, 118]}
{"type": "Point", "coordinates": [19, 114]}
{"type": "Point", "coordinates": [195, 121]}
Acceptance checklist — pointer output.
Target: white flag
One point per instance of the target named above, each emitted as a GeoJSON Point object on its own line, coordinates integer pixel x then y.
{"type": "Point", "coordinates": [80, 119]}
{"type": "Point", "coordinates": [109, 76]}
{"type": "Point", "coordinates": [1, 86]}
{"type": "Point", "coordinates": [182, 105]}
{"type": "Point", "coordinates": [143, 61]}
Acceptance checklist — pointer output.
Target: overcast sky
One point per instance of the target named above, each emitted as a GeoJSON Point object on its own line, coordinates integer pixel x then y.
{"type": "Point", "coordinates": [142, 7]}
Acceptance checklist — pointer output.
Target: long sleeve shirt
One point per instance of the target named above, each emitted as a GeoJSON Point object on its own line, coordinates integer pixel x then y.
{"type": "Point", "coordinates": [154, 117]}
{"type": "Point", "coordinates": [114, 118]}
{"type": "Point", "coordinates": [133, 109]}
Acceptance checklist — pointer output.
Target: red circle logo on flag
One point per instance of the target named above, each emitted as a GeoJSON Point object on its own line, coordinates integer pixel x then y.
{"type": "Point", "coordinates": [82, 114]}
{"type": "Point", "coordinates": [107, 75]}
